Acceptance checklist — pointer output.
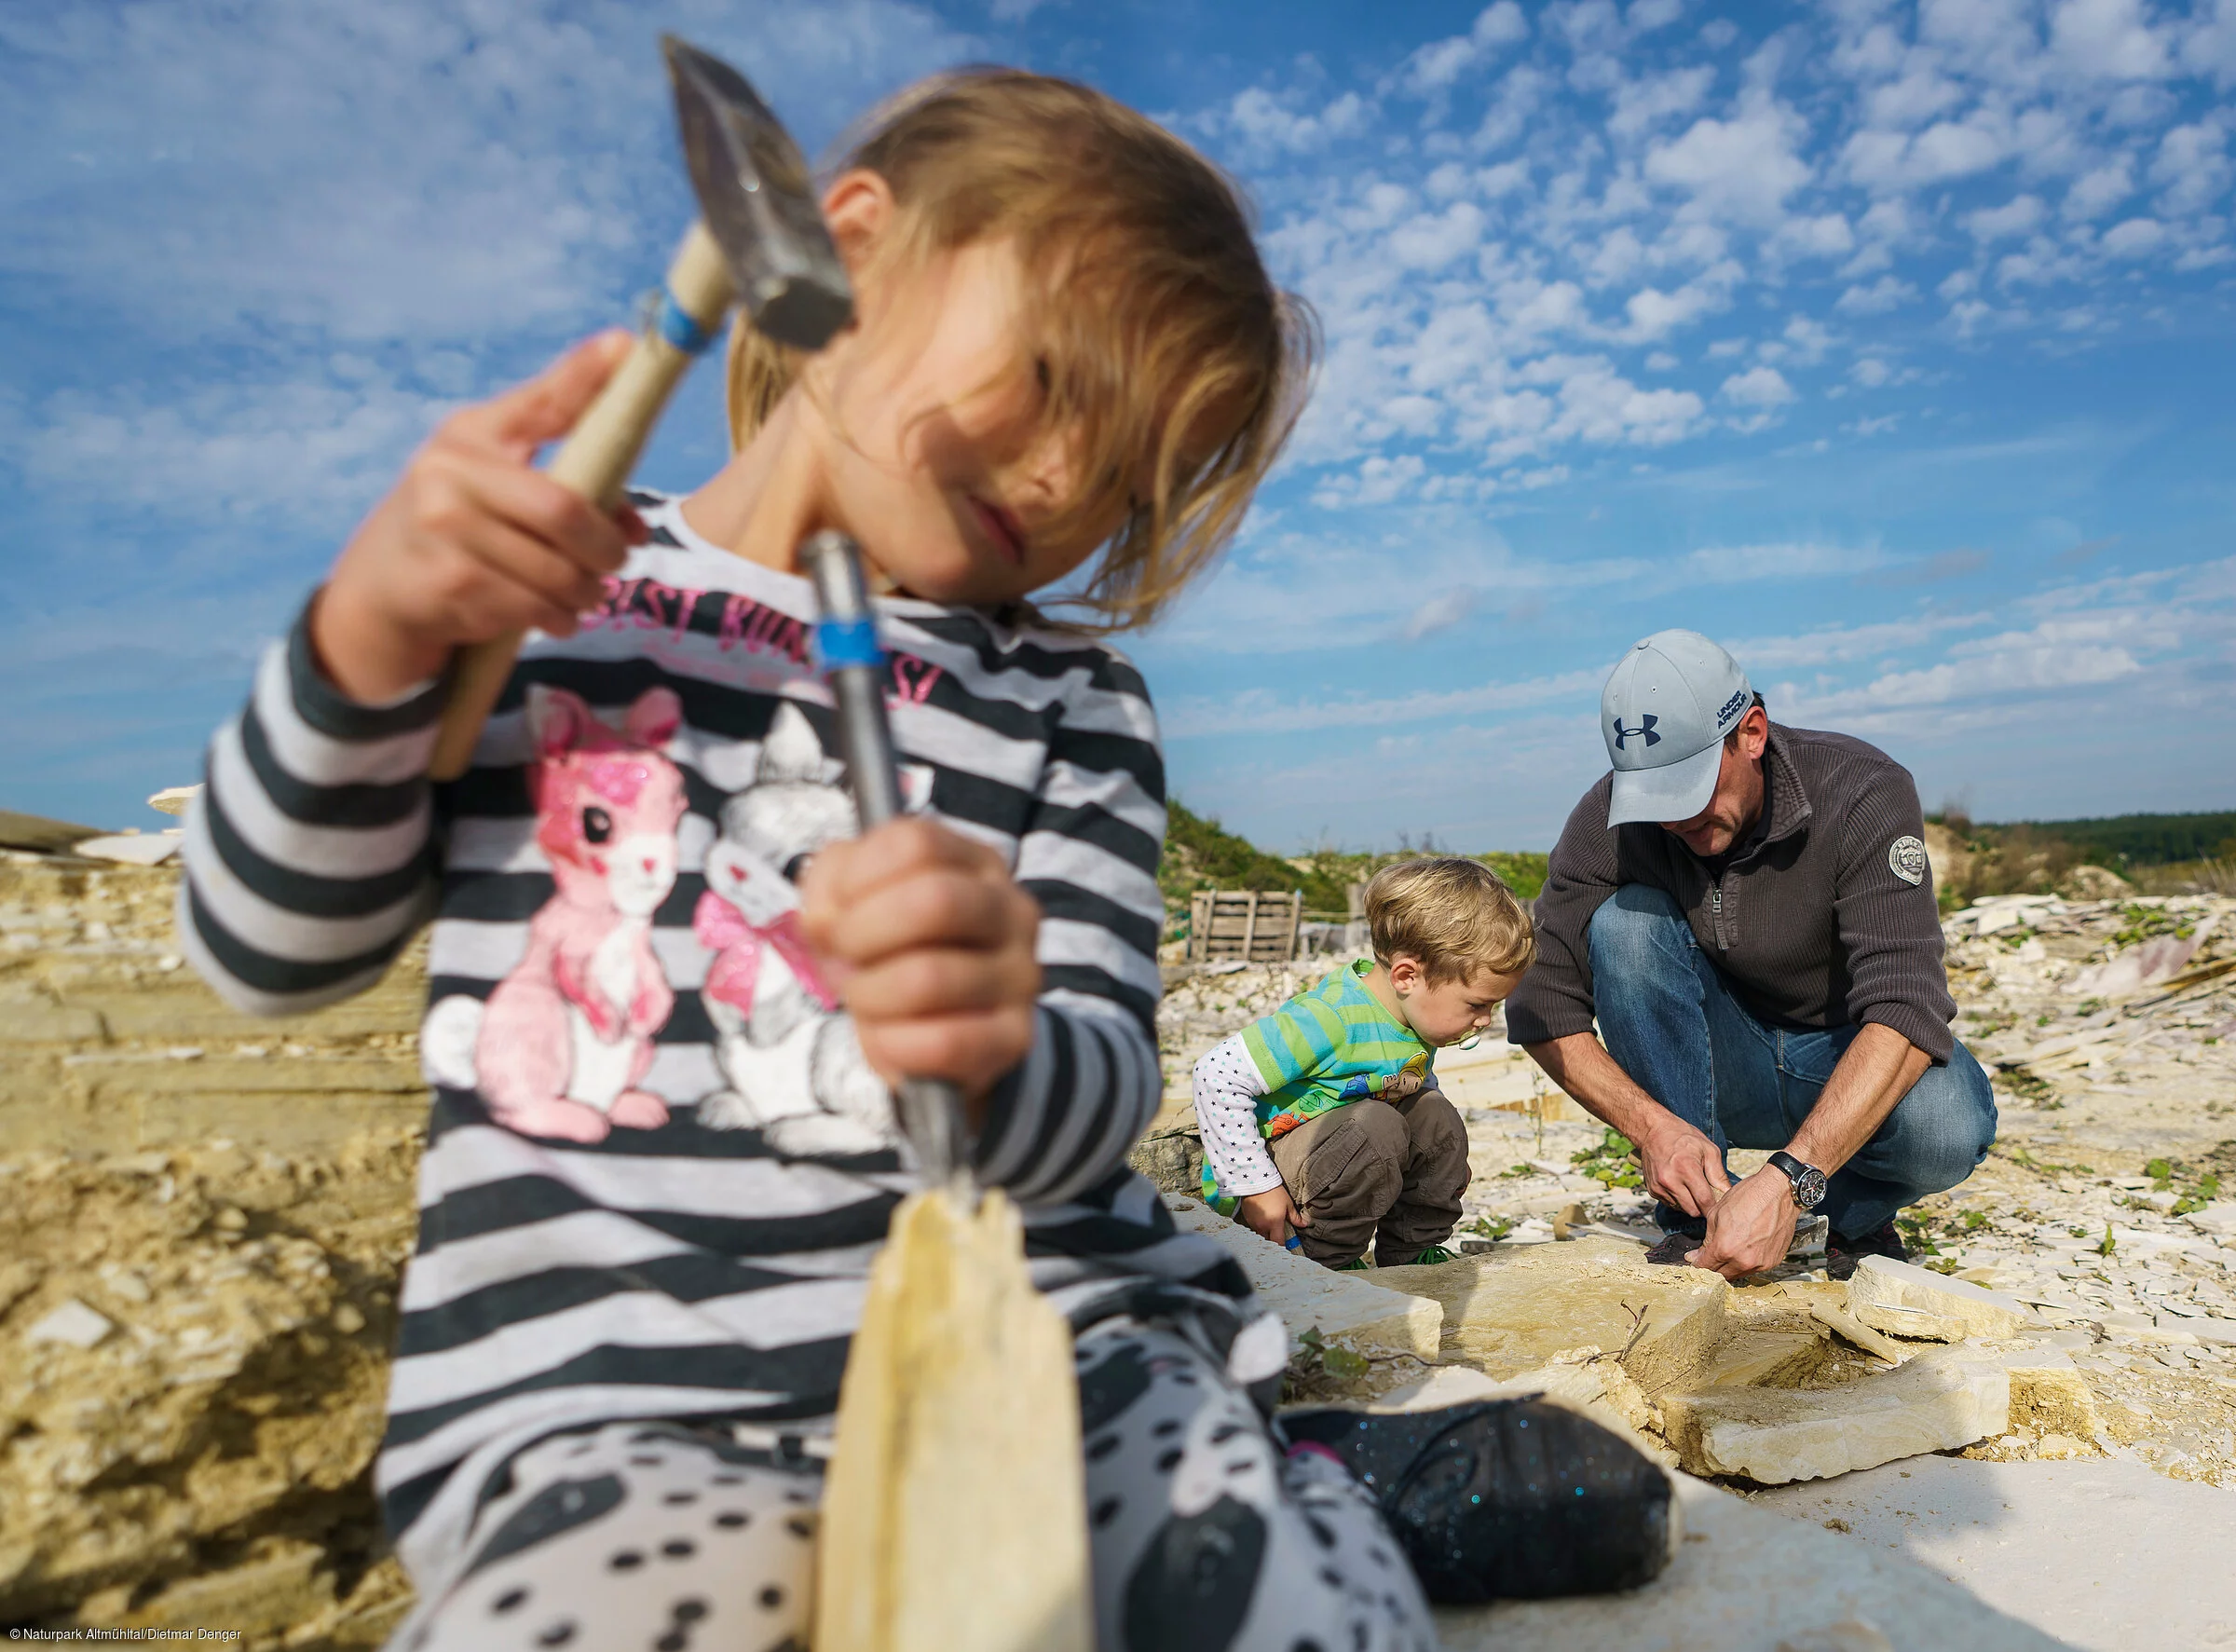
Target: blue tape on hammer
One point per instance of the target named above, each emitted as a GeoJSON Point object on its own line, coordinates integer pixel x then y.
{"type": "Point", "coordinates": [841, 643]}
{"type": "Point", "coordinates": [678, 327]}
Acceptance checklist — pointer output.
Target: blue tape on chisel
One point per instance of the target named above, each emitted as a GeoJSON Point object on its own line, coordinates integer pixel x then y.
{"type": "Point", "coordinates": [679, 327]}
{"type": "Point", "coordinates": [841, 643]}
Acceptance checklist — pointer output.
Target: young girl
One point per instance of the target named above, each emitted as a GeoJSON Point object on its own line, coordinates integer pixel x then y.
{"type": "Point", "coordinates": [667, 984]}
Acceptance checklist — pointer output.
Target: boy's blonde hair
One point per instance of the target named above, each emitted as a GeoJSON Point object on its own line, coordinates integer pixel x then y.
{"type": "Point", "coordinates": [1149, 302]}
{"type": "Point", "coordinates": [1454, 915]}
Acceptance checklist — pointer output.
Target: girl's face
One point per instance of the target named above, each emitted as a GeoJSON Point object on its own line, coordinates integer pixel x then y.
{"type": "Point", "coordinates": [936, 455]}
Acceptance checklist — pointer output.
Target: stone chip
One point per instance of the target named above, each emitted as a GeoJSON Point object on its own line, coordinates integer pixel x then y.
{"type": "Point", "coordinates": [1908, 1300]}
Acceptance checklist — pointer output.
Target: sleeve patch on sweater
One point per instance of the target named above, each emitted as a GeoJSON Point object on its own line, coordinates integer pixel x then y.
{"type": "Point", "coordinates": [1907, 858]}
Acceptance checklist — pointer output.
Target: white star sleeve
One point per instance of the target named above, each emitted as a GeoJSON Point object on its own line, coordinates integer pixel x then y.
{"type": "Point", "coordinates": [1227, 1085]}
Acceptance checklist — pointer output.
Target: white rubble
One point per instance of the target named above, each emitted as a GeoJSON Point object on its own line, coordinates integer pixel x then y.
{"type": "Point", "coordinates": [1904, 1299]}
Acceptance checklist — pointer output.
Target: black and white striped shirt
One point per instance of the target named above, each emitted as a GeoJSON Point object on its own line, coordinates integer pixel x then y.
{"type": "Point", "coordinates": [679, 1218]}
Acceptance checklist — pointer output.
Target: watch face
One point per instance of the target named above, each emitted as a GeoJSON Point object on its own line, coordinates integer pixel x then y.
{"type": "Point", "coordinates": [1809, 1182]}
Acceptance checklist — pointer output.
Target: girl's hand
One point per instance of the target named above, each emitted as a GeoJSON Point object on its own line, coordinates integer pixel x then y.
{"type": "Point", "coordinates": [472, 542]}
{"type": "Point", "coordinates": [932, 947]}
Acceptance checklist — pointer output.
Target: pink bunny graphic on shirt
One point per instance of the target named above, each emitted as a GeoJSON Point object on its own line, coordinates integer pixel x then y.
{"type": "Point", "coordinates": [749, 905]}
{"type": "Point", "coordinates": [566, 1037]}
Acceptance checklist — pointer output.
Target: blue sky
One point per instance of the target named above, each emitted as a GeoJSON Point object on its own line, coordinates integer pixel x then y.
{"type": "Point", "coordinates": [1889, 344]}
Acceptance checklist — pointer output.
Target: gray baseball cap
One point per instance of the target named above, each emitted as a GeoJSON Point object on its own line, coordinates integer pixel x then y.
{"type": "Point", "coordinates": [1664, 712]}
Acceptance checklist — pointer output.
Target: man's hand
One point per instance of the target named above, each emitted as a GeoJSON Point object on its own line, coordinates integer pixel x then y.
{"type": "Point", "coordinates": [1270, 1215]}
{"type": "Point", "coordinates": [1681, 1167]}
{"type": "Point", "coordinates": [1751, 1228]}
{"type": "Point", "coordinates": [932, 947]}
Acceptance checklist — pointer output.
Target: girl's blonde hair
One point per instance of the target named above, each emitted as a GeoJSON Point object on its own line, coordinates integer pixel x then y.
{"type": "Point", "coordinates": [1148, 301]}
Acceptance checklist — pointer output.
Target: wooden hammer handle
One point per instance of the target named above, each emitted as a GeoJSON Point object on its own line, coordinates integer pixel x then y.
{"type": "Point", "coordinates": [595, 461]}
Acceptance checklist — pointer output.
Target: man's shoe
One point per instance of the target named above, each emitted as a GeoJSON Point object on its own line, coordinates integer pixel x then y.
{"type": "Point", "coordinates": [1503, 1499]}
{"type": "Point", "coordinates": [1842, 1254]}
{"type": "Point", "coordinates": [1672, 1248]}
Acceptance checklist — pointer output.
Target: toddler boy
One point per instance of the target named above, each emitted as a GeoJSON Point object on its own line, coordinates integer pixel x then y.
{"type": "Point", "coordinates": [1288, 1154]}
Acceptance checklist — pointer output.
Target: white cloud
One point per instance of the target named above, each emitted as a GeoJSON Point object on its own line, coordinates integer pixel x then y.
{"type": "Point", "coordinates": [307, 453]}
{"type": "Point", "coordinates": [1436, 67]}
{"type": "Point", "coordinates": [1826, 235]}
{"type": "Point", "coordinates": [1740, 170]}
{"type": "Point", "coordinates": [1265, 123]}
{"type": "Point", "coordinates": [1840, 644]}
{"type": "Point", "coordinates": [1260, 712]}
{"type": "Point", "coordinates": [1653, 314]}
{"type": "Point", "coordinates": [408, 170]}
{"type": "Point", "coordinates": [1758, 387]}
{"type": "Point", "coordinates": [1640, 105]}
{"type": "Point", "coordinates": [2108, 39]}
{"type": "Point", "coordinates": [2192, 166]}
{"type": "Point", "coordinates": [2099, 191]}
{"type": "Point", "coordinates": [1746, 564]}
{"type": "Point", "coordinates": [1441, 613]}
{"type": "Point", "coordinates": [1432, 241]}
{"type": "Point", "coordinates": [2015, 216]}
{"type": "Point", "coordinates": [1877, 298]}
{"type": "Point", "coordinates": [2137, 237]}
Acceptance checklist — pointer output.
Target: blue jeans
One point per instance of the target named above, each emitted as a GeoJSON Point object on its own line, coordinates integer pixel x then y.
{"type": "Point", "coordinates": [1670, 1019]}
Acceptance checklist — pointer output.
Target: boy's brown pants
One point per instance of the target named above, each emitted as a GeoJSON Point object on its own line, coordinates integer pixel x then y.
{"type": "Point", "coordinates": [1389, 1173]}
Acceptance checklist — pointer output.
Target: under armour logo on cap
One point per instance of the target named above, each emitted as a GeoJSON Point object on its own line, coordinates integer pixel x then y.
{"type": "Point", "coordinates": [1645, 727]}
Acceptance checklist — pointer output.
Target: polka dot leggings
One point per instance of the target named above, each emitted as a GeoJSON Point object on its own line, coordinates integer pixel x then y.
{"type": "Point", "coordinates": [1206, 1537]}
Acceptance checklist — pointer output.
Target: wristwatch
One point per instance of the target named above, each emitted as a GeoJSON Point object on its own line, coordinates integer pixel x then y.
{"type": "Point", "coordinates": [1809, 1180]}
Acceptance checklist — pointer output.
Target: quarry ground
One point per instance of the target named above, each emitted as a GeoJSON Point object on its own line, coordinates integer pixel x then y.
{"type": "Point", "coordinates": [203, 1220]}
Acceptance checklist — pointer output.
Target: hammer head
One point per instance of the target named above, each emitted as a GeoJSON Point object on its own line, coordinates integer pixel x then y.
{"type": "Point", "coordinates": [759, 203]}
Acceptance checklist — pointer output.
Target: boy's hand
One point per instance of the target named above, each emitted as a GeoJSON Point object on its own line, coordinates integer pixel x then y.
{"type": "Point", "coordinates": [472, 542]}
{"type": "Point", "coordinates": [932, 947]}
{"type": "Point", "coordinates": [1271, 1214]}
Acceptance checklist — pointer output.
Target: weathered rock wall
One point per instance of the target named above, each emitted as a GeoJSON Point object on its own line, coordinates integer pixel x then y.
{"type": "Point", "coordinates": [109, 1043]}
{"type": "Point", "coordinates": [203, 1219]}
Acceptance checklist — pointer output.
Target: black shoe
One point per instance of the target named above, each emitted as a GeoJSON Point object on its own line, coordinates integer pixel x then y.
{"type": "Point", "coordinates": [1505, 1499]}
{"type": "Point", "coordinates": [1841, 1255]}
{"type": "Point", "coordinates": [1672, 1250]}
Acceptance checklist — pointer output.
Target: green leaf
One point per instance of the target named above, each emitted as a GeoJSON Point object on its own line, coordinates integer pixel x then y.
{"type": "Point", "coordinates": [1344, 1365]}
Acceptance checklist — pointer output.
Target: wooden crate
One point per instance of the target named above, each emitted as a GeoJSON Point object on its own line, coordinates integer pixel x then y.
{"type": "Point", "coordinates": [1250, 924]}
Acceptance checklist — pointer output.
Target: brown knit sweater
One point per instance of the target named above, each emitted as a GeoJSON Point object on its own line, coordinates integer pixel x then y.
{"type": "Point", "coordinates": [1809, 920]}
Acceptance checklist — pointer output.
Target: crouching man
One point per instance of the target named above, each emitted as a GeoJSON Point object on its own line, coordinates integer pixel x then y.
{"type": "Point", "coordinates": [1747, 911]}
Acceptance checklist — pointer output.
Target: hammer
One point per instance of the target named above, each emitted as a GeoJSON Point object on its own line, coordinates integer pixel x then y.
{"type": "Point", "coordinates": [760, 239]}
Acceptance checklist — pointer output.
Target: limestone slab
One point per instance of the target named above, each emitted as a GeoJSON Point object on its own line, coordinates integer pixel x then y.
{"type": "Point", "coordinates": [1940, 1401]}
{"type": "Point", "coordinates": [1344, 1307]}
{"type": "Point", "coordinates": [1512, 1309]}
{"type": "Point", "coordinates": [1913, 1302]}
{"type": "Point", "coordinates": [1745, 1579]}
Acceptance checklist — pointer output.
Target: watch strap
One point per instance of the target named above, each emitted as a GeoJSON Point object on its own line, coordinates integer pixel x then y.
{"type": "Point", "coordinates": [1805, 1180]}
